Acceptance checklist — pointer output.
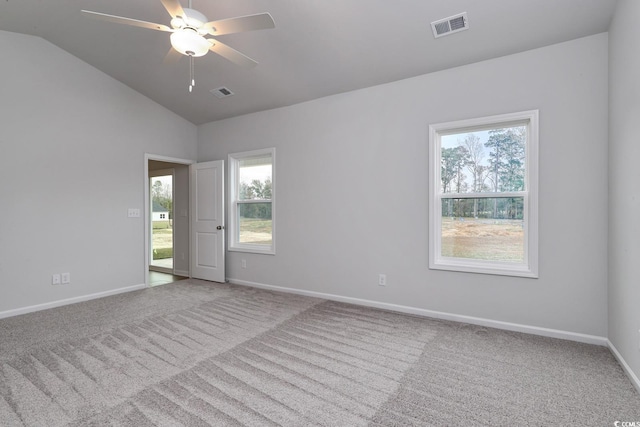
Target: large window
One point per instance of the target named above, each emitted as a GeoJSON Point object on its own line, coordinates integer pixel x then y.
{"type": "Point", "coordinates": [252, 201]}
{"type": "Point", "coordinates": [484, 195]}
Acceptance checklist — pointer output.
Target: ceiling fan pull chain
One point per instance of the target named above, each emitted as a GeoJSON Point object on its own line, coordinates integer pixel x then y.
{"type": "Point", "coordinates": [192, 74]}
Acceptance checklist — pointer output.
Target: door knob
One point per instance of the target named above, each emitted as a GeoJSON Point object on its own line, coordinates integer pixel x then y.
{"type": "Point", "coordinates": [219, 227]}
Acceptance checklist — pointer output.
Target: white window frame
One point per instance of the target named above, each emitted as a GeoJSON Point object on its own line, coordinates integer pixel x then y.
{"type": "Point", "coordinates": [234, 181]}
{"type": "Point", "coordinates": [529, 268]}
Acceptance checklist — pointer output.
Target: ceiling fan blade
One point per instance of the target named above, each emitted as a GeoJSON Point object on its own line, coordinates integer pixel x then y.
{"type": "Point", "coordinates": [231, 54]}
{"type": "Point", "coordinates": [260, 21]}
{"type": "Point", "coordinates": [126, 21]}
{"type": "Point", "coordinates": [172, 57]}
{"type": "Point", "coordinates": [173, 7]}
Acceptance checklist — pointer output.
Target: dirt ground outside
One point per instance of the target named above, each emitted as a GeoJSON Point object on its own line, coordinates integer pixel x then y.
{"type": "Point", "coordinates": [488, 239]}
{"type": "Point", "coordinates": [162, 239]}
{"type": "Point", "coordinates": [162, 243]}
{"type": "Point", "coordinates": [256, 230]}
{"type": "Point", "coordinates": [252, 230]}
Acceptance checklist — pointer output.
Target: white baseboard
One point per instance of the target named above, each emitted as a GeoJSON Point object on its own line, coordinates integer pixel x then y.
{"type": "Point", "coordinates": [181, 273]}
{"type": "Point", "coordinates": [534, 330]}
{"type": "Point", "coordinates": [59, 303]}
{"type": "Point", "coordinates": [625, 367]}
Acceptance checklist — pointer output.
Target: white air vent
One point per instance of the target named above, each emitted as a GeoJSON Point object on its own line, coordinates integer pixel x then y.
{"type": "Point", "coordinates": [221, 92]}
{"type": "Point", "coordinates": [450, 25]}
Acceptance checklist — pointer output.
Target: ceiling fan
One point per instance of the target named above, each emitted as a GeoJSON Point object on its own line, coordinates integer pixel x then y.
{"type": "Point", "coordinates": [189, 28]}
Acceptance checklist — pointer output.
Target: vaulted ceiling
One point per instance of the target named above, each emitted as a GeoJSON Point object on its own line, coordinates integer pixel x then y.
{"type": "Point", "coordinates": [318, 48]}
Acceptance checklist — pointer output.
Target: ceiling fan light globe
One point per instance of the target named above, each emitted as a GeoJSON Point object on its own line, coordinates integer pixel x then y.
{"type": "Point", "coordinates": [190, 43]}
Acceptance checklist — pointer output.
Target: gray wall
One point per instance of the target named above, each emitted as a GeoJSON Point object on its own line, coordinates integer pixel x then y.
{"type": "Point", "coordinates": [72, 144]}
{"type": "Point", "coordinates": [352, 188]}
{"type": "Point", "coordinates": [624, 181]}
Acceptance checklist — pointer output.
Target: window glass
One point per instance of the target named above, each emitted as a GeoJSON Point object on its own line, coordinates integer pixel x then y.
{"type": "Point", "coordinates": [252, 201]}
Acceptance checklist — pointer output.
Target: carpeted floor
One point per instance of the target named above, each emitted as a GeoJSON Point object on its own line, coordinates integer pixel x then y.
{"type": "Point", "coordinates": [195, 353]}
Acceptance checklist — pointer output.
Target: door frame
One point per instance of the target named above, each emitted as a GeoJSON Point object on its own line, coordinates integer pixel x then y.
{"type": "Point", "coordinates": [147, 209]}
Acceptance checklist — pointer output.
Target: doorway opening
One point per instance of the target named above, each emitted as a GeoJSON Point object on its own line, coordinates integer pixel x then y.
{"type": "Point", "coordinates": [167, 240]}
{"type": "Point", "coordinates": [161, 184]}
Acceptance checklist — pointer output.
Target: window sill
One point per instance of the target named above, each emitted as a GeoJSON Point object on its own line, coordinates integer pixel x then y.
{"type": "Point", "coordinates": [253, 250]}
{"type": "Point", "coordinates": [479, 267]}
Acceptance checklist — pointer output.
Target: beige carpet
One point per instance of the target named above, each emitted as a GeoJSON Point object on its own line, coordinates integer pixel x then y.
{"type": "Point", "coordinates": [198, 354]}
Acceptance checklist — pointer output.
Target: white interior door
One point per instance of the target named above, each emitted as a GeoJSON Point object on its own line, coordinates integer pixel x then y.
{"type": "Point", "coordinates": [207, 221]}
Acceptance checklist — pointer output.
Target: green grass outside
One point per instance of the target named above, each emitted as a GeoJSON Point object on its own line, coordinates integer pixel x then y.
{"type": "Point", "coordinates": [163, 253]}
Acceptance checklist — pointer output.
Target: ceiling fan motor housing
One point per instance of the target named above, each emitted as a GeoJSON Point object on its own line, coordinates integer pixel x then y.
{"type": "Point", "coordinates": [187, 38]}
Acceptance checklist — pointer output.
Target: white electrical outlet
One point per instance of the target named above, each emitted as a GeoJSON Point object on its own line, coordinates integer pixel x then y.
{"type": "Point", "coordinates": [66, 278]}
{"type": "Point", "coordinates": [55, 279]}
{"type": "Point", "coordinates": [382, 280]}
{"type": "Point", "coordinates": [244, 263]}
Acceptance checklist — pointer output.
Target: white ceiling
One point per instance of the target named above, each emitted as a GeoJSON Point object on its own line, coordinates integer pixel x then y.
{"type": "Point", "coordinates": [318, 48]}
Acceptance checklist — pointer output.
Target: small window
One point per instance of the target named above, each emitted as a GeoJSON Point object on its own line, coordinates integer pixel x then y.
{"type": "Point", "coordinates": [162, 216]}
{"type": "Point", "coordinates": [484, 195]}
{"type": "Point", "coordinates": [252, 201]}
